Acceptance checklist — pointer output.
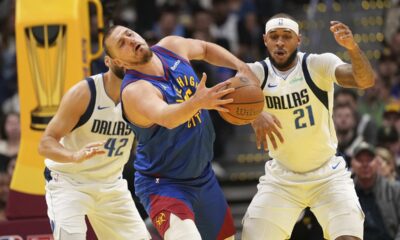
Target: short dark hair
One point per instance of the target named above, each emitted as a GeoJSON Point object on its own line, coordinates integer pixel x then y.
{"type": "Point", "coordinates": [345, 105]}
{"type": "Point", "coordinates": [107, 34]}
{"type": "Point", "coordinates": [346, 91]}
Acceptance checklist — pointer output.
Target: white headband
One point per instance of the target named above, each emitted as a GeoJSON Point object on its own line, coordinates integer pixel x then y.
{"type": "Point", "coordinates": [282, 23]}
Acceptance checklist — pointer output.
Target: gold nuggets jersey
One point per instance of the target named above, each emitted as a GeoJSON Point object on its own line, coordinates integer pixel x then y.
{"type": "Point", "coordinates": [102, 121]}
{"type": "Point", "coordinates": [303, 102]}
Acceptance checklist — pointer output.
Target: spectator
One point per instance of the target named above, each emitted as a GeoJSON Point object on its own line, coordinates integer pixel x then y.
{"type": "Point", "coordinates": [11, 165]}
{"type": "Point", "coordinates": [366, 126]}
{"type": "Point", "coordinates": [388, 137]}
{"type": "Point", "coordinates": [225, 24]}
{"type": "Point", "coordinates": [391, 116]}
{"type": "Point", "coordinates": [4, 161]}
{"type": "Point", "coordinates": [10, 133]}
{"type": "Point", "coordinates": [8, 66]}
{"type": "Point", "coordinates": [4, 190]}
{"type": "Point", "coordinates": [387, 67]}
{"type": "Point", "coordinates": [11, 104]}
{"type": "Point", "coordinates": [395, 45]}
{"type": "Point", "coordinates": [201, 25]}
{"type": "Point", "coordinates": [249, 37]}
{"type": "Point", "coordinates": [168, 23]}
{"type": "Point", "coordinates": [392, 21]}
{"type": "Point", "coordinates": [379, 198]}
{"type": "Point", "coordinates": [387, 164]}
{"type": "Point", "coordinates": [344, 119]}
{"type": "Point", "coordinates": [374, 100]}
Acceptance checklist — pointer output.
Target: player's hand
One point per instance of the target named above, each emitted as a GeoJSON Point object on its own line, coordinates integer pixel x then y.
{"type": "Point", "coordinates": [343, 35]}
{"type": "Point", "coordinates": [210, 98]}
{"type": "Point", "coordinates": [87, 152]}
{"type": "Point", "coordinates": [266, 126]}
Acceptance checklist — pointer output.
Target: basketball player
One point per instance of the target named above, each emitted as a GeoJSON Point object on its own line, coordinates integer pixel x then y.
{"type": "Point", "coordinates": [304, 171]}
{"type": "Point", "coordinates": [167, 106]}
{"type": "Point", "coordinates": [87, 144]}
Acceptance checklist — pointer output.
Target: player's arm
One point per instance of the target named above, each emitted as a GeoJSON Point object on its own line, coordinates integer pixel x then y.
{"type": "Point", "coordinates": [144, 104]}
{"type": "Point", "coordinates": [358, 74]}
{"type": "Point", "coordinates": [72, 107]}
{"type": "Point", "coordinates": [194, 49]}
{"type": "Point", "coordinates": [266, 125]}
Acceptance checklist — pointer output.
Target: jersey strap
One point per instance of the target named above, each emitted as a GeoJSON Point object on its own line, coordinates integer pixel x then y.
{"type": "Point", "coordinates": [265, 73]}
{"type": "Point", "coordinates": [320, 94]}
{"type": "Point", "coordinates": [85, 117]}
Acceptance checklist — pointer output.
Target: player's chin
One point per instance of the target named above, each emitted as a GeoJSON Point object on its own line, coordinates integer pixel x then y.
{"type": "Point", "coordinates": [281, 58]}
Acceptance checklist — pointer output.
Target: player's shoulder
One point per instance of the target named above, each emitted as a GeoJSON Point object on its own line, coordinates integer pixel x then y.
{"type": "Point", "coordinates": [256, 64]}
{"type": "Point", "coordinates": [177, 45]}
{"type": "Point", "coordinates": [317, 59]}
{"type": "Point", "coordinates": [137, 87]}
{"type": "Point", "coordinates": [171, 42]}
{"type": "Point", "coordinates": [81, 91]}
{"type": "Point", "coordinates": [318, 56]}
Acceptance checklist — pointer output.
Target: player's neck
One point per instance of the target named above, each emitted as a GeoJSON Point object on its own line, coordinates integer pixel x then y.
{"type": "Point", "coordinates": [112, 86]}
{"type": "Point", "coordinates": [285, 72]}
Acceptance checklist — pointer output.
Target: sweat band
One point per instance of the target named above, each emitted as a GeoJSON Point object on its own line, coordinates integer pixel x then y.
{"type": "Point", "coordinates": [282, 23]}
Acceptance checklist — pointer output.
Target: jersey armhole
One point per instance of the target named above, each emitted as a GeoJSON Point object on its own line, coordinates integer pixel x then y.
{"type": "Point", "coordinates": [89, 110]}
{"type": "Point", "coordinates": [264, 82]}
{"type": "Point", "coordinates": [320, 94]}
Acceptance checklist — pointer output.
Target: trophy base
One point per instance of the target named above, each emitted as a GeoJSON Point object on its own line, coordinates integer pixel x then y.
{"type": "Point", "coordinates": [41, 116]}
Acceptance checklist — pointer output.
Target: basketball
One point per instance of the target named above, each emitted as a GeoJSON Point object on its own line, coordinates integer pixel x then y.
{"type": "Point", "coordinates": [248, 101]}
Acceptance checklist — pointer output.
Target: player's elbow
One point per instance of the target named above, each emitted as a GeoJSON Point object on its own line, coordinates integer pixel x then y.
{"type": "Point", "coordinates": [42, 148]}
{"type": "Point", "coordinates": [367, 82]}
{"type": "Point", "coordinates": [168, 124]}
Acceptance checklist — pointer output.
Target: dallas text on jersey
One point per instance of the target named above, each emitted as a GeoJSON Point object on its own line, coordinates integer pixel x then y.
{"type": "Point", "coordinates": [288, 101]}
{"type": "Point", "coordinates": [110, 127]}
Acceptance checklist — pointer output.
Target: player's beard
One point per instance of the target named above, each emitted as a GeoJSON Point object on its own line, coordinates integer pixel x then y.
{"type": "Point", "coordinates": [147, 55]}
{"type": "Point", "coordinates": [285, 64]}
{"type": "Point", "coordinates": [118, 71]}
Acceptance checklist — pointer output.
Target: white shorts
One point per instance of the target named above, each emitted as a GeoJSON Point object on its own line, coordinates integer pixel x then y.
{"type": "Point", "coordinates": [109, 207]}
{"type": "Point", "coordinates": [329, 192]}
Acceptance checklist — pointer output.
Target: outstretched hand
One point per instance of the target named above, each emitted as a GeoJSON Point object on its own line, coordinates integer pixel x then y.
{"type": "Point", "coordinates": [267, 126]}
{"type": "Point", "coordinates": [343, 35]}
{"type": "Point", "coordinates": [87, 152]}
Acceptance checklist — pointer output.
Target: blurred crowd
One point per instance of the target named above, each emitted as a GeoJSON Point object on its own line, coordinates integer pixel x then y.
{"type": "Point", "coordinates": [368, 120]}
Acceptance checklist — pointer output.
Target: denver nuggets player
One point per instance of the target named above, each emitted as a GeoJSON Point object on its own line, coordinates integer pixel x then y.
{"type": "Point", "coordinates": [304, 171]}
{"type": "Point", "coordinates": [87, 144]}
{"type": "Point", "coordinates": [167, 106]}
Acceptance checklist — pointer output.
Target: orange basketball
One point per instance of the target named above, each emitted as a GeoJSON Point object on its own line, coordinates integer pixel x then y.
{"type": "Point", "coordinates": [248, 101]}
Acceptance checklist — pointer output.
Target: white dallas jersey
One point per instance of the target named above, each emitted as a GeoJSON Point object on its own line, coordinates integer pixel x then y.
{"type": "Point", "coordinates": [102, 121]}
{"type": "Point", "coordinates": [303, 104]}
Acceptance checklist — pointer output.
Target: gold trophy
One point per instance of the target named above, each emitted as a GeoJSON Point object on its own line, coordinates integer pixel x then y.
{"type": "Point", "coordinates": [46, 49]}
{"type": "Point", "coordinates": [54, 52]}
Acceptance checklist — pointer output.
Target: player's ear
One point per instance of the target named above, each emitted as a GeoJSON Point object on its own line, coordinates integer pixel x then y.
{"type": "Point", "coordinates": [107, 60]}
{"type": "Point", "coordinates": [299, 39]}
{"type": "Point", "coordinates": [265, 39]}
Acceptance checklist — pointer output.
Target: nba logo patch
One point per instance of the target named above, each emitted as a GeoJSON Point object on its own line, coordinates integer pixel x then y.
{"type": "Point", "coordinates": [280, 21]}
